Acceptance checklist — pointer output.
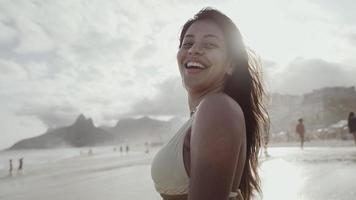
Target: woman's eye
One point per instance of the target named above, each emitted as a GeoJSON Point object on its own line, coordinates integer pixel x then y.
{"type": "Point", "coordinates": [187, 45]}
{"type": "Point", "coordinates": [210, 45]}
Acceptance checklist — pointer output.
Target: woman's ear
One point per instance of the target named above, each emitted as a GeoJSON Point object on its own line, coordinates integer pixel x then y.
{"type": "Point", "coordinates": [229, 68]}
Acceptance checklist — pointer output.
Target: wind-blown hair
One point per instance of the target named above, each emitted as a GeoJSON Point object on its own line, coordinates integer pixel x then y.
{"type": "Point", "coordinates": [245, 86]}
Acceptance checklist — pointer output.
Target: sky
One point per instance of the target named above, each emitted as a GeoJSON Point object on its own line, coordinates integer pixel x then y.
{"type": "Point", "coordinates": [114, 59]}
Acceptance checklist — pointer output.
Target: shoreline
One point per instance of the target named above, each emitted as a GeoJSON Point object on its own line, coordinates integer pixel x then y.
{"type": "Point", "coordinates": [314, 143]}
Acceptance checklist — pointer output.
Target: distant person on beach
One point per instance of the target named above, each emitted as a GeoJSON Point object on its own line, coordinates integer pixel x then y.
{"type": "Point", "coordinates": [11, 168]}
{"type": "Point", "coordinates": [90, 152]}
{"type": "Point", "coordinates": [127, 148]}
{"type": "Point", "coordinates": [147, 147]}
{"type": "Point", "coordinates": [121, 149]}
{"type": "Point", "coordinates": [214, 155]}
{"type": "Point", "coordinates": [265, 145]}
{"type": "Point", "coordinates": [351, 123]}
{"type": "Point", "coordinates": [300, 130]}
{"type": "Point", "coordinates": [20, 168]}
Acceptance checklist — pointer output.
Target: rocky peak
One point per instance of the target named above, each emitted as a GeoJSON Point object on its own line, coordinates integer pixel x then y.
{"type": "Point", "coordinates": [83, 121]}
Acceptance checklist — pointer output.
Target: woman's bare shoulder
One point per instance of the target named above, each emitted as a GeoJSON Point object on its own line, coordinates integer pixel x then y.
{"type": "Point", "coordinates": [217, 135]}
{"type": "Point", "coordinates": [221, 104]}
{"type": "Point", "coordinates": [219, 116]}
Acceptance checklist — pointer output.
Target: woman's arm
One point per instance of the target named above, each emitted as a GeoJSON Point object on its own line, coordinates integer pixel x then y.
{"type": "Point", "coordinates": [218, 131]}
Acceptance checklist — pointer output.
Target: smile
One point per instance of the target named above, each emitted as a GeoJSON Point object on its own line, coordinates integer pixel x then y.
{"type": "Point", "coordinates": [194, 65]}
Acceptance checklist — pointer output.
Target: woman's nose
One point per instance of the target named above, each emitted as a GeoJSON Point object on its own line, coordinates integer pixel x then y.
{"type": "Point", "coordinates": [196, 49]}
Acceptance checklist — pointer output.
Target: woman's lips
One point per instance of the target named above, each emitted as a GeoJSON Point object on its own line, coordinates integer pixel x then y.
{"type": "Point", "coordinates": [193, 70]}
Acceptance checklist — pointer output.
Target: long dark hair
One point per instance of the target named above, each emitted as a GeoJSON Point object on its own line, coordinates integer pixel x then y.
{"type": "Point", "coordinates": [245, 86]}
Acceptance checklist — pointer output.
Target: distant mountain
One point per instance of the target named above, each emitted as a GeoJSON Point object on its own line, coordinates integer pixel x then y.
{"type": "Point", "coordinates": [144, 129]}
{"type": "Point", "coordinates": [81, 133]}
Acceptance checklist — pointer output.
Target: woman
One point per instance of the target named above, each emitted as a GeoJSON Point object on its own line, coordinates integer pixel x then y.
{"type": "Point", "coordinates": [215, 154]}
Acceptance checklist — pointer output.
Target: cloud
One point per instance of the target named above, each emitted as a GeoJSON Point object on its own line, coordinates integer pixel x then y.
{"type": "Point", "coordinates": [268, 64]}
{"type": "Point", "coordinates": [7, 33]}
{"type": "Point", "coordinates": [33, 37]}
{"type": "Point", "coordinates": [62, 58]}
{"type": "Point", "coordinates": [145, 52]}
{"type": "Point", "coordinates": [170, 99]}
{"type": "Point", "coordinates": [51, 116]}
{"type": "Point", "coordinates": [15, 128]}
{"type": "Point", "coordinates": [343, 10]}
{"type": "Point", "coordinates": [68, 54]}
{"type": "Point", "coordinates": [11, 71]}
{"type": "Point", "coordinates": [352, 38]}
{"type": "Point", "coordinates": [303, 75]}
{"type": "Point", "coordinates": [342, 21]}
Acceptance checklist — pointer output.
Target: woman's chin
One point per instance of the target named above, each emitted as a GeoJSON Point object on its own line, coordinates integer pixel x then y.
{"type": "Point", "coordinates": [194, 85]}
{"type": "Point", "coordinates": [191, 86]}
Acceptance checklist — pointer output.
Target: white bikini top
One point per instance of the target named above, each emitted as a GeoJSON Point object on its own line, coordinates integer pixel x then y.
{"type": "Point", "coordinates": [167, 168]}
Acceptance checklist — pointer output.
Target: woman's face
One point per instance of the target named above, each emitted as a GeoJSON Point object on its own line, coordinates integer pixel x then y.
{"type": "Point", "coordinates": [203, 58]}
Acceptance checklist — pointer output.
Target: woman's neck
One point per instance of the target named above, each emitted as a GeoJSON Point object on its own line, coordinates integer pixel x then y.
{"type": "Point", "coordinates": [194, 98]}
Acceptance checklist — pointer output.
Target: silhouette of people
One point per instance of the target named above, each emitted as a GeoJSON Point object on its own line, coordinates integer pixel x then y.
{"type": "Point", "coordinates": [127, 148]}
{"type": "Point", "coordinates": [90, 152]}
{"type": "Point", "coordinates": [300, 130]}
{"type": "Point", "coordinates": [147, 147]}
{"type": "Point", "coordinates": [11, 168]}
{"type": "Point", "coordinates": [20, 168]}
{"type": "Point", "coordinates": [351, 123]}
{"type": "Point", "coordinates": [265, 146]}
{"type": "Point", "coordinates": [121, 149]}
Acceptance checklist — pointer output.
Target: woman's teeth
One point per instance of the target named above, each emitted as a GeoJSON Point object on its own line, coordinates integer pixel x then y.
{"type": "Point", "coordinates": [194, 65]}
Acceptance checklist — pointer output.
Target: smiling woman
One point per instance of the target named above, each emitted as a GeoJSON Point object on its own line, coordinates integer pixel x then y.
{"type": "Point", "coordinates": [205, 72]}
{"type": "Point", "coordinates": [214, 154]}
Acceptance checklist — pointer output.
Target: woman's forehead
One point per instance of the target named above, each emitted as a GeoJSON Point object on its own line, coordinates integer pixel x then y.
{"type": "Point", "coordinates": [205, 28]}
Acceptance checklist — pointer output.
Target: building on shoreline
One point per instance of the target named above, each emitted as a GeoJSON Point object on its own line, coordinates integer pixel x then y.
{"type": "Point", "coordinates": [320, 109]}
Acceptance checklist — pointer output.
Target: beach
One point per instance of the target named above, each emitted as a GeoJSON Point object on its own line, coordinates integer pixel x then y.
{"type": "Point", "coordinates": [286, 173]}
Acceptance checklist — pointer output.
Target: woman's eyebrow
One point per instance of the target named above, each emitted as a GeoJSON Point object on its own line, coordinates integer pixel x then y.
{"type": "Point", "coordinates": [211, 35]}
{"type": "Point", "coordinates": [207, 35]}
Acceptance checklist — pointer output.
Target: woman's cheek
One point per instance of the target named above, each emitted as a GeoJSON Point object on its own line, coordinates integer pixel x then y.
{"type": "Point", "coordinates": [180, 57]}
